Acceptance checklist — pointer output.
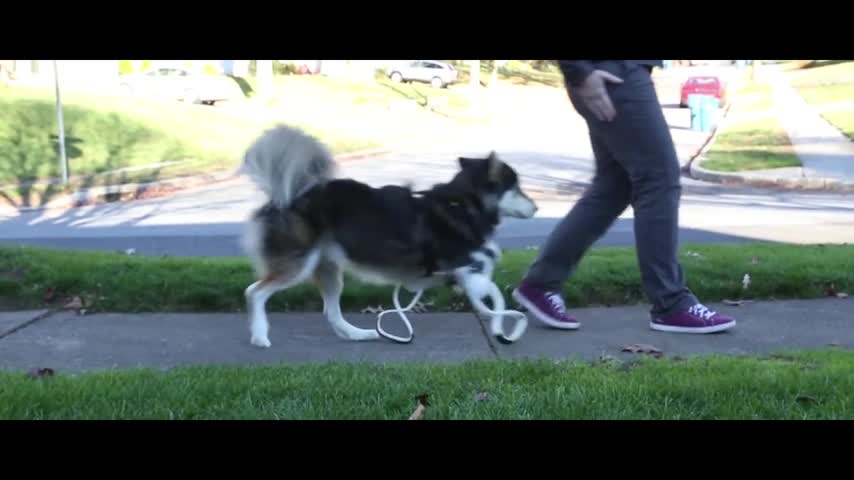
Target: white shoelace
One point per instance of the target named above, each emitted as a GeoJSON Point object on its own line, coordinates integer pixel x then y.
{"type": "Point", "coordinates": [557, 302]}
{"type": "Point", "coordinates": [701, 311]}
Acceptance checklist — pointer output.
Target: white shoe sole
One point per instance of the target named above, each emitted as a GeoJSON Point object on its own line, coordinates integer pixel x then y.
{"type": "Point", "coordinates": [713, 329]}
{"type": "Point", "coordinates": [542, 317]}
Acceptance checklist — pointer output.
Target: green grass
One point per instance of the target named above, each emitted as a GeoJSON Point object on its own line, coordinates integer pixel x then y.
{"type": "Point", "coordinates": [514, 72]}
{"type": "Point", "coordinates": [607, 276]}
{"type": "Point", "coordinates": [106, 132]}
{"type": "Point", "coordinates": [825, 98]}
{"type": "Point", "coordinates": [826, 84]}
{"type": "Point", "coordinates": [299, 92]}
{"type": "Point", "coordinates": [757, 143]}
{"type": "Point", "coordinates": [803, 385]}
{"type": "Point", "coordinates": [844, 121]}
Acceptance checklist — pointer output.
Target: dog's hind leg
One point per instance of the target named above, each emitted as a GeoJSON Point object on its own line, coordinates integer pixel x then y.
{"type": "Point", "coordinates": [283, 274]}
{"type": "Point", "coordinates": [330, 280]}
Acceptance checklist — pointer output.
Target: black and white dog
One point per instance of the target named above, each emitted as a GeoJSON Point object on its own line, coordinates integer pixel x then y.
{"type": "Point", "coordinates": [317, 227]}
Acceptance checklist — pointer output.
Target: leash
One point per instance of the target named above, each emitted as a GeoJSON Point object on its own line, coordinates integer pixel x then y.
{"type": "Point", "coordinates": [401, 312]}
{"type": "Point", "coordinates": [497, 314]}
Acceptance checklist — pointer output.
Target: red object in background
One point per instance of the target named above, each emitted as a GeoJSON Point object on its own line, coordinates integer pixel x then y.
{"type": "Point", "coordinates": [706, 85]}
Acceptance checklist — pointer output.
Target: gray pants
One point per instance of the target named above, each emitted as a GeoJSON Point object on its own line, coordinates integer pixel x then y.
{"type": "Point", "coordinates": [636, 164]}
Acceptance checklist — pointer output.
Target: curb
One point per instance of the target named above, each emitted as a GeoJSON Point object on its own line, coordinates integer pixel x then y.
{"type": "Point", "coordinates": [140, 191]}
{"type": "Point", "coordinates": [128, 191]}
{"type": "Point", "coordinates": [694, 170]}
{"type": "Point", "coordinates": [701, 152]}
{"type": "Point", "coordinates": [756, 180]}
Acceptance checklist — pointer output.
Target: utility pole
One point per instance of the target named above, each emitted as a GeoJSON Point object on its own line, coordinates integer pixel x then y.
{"type": "Point", "coordinates": [62, 157]}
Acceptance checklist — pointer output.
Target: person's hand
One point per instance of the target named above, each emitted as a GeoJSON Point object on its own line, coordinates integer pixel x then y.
{"type": "Point", "coordinates": [594, 94]}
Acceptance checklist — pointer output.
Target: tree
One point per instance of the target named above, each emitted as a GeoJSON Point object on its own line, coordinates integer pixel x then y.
{"type": "Point", "coordinates": [264, 73]}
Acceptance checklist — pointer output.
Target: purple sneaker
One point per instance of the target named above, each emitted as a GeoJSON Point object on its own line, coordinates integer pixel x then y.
{"type": "Point", "coordinates": [697, 319]}
{"type": "Point", "coordinates": [547, 307]}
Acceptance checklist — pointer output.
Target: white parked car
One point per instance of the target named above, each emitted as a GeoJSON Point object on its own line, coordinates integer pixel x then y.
{"type": "Point", "coordinates": [437, 74]}
{"type": "Point", "coordinates": [177, 83]}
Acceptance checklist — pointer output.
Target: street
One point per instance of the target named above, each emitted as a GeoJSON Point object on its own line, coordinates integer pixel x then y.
{"type": "Point", "coordinates": [207, 221]}
{"type": "Point", "coordinates": [538, 134]}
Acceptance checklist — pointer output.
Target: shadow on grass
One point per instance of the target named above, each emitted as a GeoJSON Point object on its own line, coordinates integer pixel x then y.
{"type": "Point", "coordinates": [418, 96]}
{"type": "Point", "coordinates": [518, 77]}
{"type": "Point", "coordinates": [101, 148]}
{"type": "Point", "coordinates": [821, 63]}
{"type": "Point", "coordinates": [244, 85]}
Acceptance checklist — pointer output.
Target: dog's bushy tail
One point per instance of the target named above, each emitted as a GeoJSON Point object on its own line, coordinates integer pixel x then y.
{"type": "Point", "coordinates": [285, 162]}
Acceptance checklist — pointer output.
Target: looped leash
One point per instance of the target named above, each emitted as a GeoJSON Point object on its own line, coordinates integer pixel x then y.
{"type": "Point", "coordinates": [401, 312]}
{"type": "Point", "coordinates": [498, 313]}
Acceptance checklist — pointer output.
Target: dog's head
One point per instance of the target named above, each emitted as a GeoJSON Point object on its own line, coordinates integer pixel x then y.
{"type": "Point", "coordinates": [498, 184]}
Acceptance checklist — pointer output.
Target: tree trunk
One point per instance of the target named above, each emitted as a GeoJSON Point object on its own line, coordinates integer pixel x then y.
{"type": "Point", "coordinates": [475, 74]}
{"type": "Point", "coordinates": [264, 72]}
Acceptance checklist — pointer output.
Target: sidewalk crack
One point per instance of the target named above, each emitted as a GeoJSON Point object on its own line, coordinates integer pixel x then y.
{"type": "Point", "coordinates": [28, 323]}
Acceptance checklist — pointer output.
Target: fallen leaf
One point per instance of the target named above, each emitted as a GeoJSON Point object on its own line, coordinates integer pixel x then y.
{"type": "Point", "coordinates": [423, 402]}
{"type": "Point", "coordinates": [458, 307]}
{"type": "Point", "coordinates": [75, 303]}
{"type": "Point", "coordinates": [481, 397]}
{"type": "Point", "coordinates": [643, 348]}
{"type": "Point", "coordinates": [806, 399]}
{"type": "Point", "coordinates": [41, 372]}
{"type": "Point", "coordinates": [423, 307]}
{"type": "Point", "coordinates": [754, 261]}
{"type": "Point", "coordinates": [373, 310]}
{"type": "Point", "coordinates": [49, 294]}
{"type": "Point", "coordinates": [745, 281]}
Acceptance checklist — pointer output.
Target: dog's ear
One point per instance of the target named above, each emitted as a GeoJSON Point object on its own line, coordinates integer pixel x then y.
{"type": "Point", "coordinates": [467, 163]}
{"type": "Point", "coordinates": [494, 167]}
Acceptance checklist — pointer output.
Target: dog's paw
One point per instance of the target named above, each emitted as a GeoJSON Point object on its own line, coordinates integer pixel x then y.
{"type": "Point", "coordinates": [358, 334]}
{"type": "Point", "coordinates": [260, 342]}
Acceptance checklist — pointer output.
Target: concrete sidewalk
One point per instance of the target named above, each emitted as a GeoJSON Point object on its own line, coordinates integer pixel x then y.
{"type": "Point", "coordinates": [823, 149]}
{"type": "Point", "coordinates": [65, 341]}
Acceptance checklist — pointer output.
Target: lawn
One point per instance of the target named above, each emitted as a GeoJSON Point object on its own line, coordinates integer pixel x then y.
{"type": "Point", "coordinates": [829, 86]}
{"type": "Point", "coordinates": [115, 282]}
{"type": "Point", "coordinates": [105, 133]}
{"type": "Point", "coordinates": [752, 137]}
{"type": "Point", "coordinates": [514, 72]}
{"type": "Point", "coordinates": [801, 385]}
{"type": "Point", "coordinates": [108, 132]}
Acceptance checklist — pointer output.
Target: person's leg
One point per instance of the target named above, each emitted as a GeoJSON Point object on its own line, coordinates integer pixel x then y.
{"type": "Point", "coordinates": [605, 199]}
{"type": "Point", "coordinates": [639, 138]}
